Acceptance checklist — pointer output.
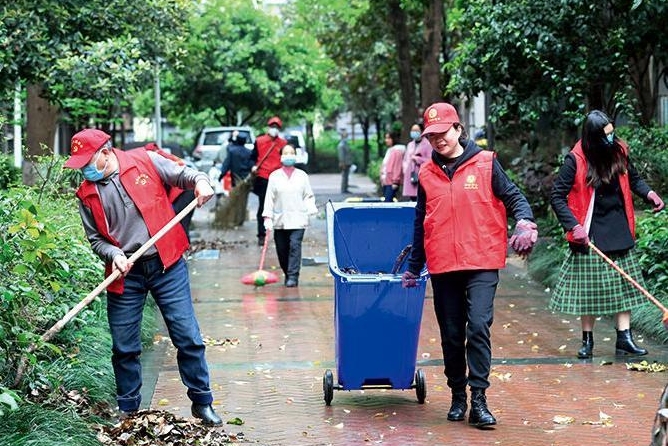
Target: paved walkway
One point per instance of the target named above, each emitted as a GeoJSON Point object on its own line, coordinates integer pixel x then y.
{"type": "Point", "coordinates": [274, 344]}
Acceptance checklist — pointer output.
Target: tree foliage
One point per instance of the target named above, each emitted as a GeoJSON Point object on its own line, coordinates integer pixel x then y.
{"type": "Point", "coordinates": [552, 59]}
{"type": "Point", "coordinates": [242, 64]}
{"type": "Point", "coordinates": [92, 55]}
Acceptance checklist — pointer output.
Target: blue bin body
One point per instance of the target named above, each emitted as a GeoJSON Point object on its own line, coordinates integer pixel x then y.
{"type": "Point", "coordinates": [377, 321]}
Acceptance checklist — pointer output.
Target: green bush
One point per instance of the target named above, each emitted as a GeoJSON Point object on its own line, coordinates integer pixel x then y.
{"type": "Point", "coordinates": [649, 153]}
{"type": "Point", "coordinates": [9, 175]}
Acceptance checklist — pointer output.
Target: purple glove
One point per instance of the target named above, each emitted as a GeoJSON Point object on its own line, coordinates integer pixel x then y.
{"type": "Point", "coordinates": [408, 280]}
{"type": "Point", "coordinates": [580, 235]}
{"type": "Point", "coordinates": [656, 200]}
{"type": "Point", "coordinates": [524, 237]}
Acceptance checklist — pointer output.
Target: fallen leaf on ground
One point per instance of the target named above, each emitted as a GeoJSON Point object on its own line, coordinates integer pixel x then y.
{"type": "Point", "coordinates": [563, 419]}
{"type": "Point", "coordinates": [644, 366]}
{"type": "Point", "coordinates": [159, 428]}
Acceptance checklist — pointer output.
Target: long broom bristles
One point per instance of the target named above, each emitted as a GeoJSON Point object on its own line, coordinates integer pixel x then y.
{"type": "Point", "coordinates": [231, 211]}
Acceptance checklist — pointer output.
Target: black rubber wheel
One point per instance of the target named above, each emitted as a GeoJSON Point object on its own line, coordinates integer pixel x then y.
{"type": "Point", "coordinates": [328, 386]}
{"type": "Point", "coordinates": [420, 386]}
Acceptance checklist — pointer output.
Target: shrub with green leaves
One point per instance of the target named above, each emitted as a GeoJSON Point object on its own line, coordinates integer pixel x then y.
{"type": "Point", "coordinates": [9, 174]}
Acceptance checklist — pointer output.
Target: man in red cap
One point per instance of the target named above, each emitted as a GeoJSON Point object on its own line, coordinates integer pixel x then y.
{"type": "Point", "coordinates": [123, 203]}
{"type": "Point", "coordinates": [460, 234]}
{"type": "Point", "coordinates": [267, 157]}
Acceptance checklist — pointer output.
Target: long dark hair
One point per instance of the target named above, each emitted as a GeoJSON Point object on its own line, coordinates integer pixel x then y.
{"type": "Point", "coordinates": [605, 161]}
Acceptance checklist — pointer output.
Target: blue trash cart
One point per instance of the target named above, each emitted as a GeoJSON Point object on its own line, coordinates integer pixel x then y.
{"type": "Point", "coordinates": [377, 321]}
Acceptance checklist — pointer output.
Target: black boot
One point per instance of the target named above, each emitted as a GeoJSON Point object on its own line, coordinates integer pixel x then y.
{"type": "Point", "coordinates": [458, 406]}
{"type": "Point", "coordinates": [480, 416]}
{"type": "Point", "coordinates": [625, 345]}
{"type": "Point", "coordinates": [587, 349]}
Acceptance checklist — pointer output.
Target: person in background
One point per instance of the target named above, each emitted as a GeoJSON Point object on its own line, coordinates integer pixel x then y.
{"type": "Point", "coordinates": [238, 160]}
{"type": "Point", "coordinates": [460, 233]}
{"type": "Point", "coordinates": [267, 157]}
{"type": "Point", "coordinates": [592, 199]}
{"type": "Point", "coordinates": [288, 204]}
{"type": "Point", "coordinates": [122, 203]}
{"type": "Point", "coordinates": [345, 160]}
{"type": "Point", "coordinates": [391, 168]}
{"type": "Point", "coordinates": [418, 150]}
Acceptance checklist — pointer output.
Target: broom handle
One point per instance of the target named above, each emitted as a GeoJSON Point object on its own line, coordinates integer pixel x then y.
{"type": "Point", "coordinates": [264, 250]}
{"type": "Point", "coordinates": [647, 294]}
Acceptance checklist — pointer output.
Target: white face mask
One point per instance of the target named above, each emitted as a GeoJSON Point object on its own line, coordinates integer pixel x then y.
{"type": "Point", "coordinates": [273, 132]}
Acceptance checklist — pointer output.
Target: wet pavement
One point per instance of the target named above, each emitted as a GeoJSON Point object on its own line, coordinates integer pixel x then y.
{"type": "Point", "coordinates": [269, 348]}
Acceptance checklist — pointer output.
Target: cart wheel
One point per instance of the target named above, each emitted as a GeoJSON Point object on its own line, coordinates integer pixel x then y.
{"type": "Point", "coordinates": [420, 386]}
{"type": "Point", "coordinates": [328, 386]}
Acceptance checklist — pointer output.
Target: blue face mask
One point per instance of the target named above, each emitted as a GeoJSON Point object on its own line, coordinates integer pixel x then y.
{"type": "Point", "coordinates": [288, 160]}
{"type": "Point", "coordinates": [610, 137]}
{"type": "Point", "coordinates": [415, 135]}
{"type": "Point", "coordinates": [91, 173]}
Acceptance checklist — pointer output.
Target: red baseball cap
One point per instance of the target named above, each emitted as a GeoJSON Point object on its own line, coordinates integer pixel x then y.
{"type": "Point", "coordinates": [439, 117]}
{"type": "Point", "coordinates": [275, 120]}
{"type": "Point", "coordinates": [83, 147]}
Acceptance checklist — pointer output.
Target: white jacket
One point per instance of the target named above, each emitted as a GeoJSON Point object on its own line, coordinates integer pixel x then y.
{"type": "Point", "coordinates": [289, 201]}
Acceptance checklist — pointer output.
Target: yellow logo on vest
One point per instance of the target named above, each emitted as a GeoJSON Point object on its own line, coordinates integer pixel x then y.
{"type": "Point", "coordinates": [471, 183]}
{"type": "Point", "coordinates": [142, 179]}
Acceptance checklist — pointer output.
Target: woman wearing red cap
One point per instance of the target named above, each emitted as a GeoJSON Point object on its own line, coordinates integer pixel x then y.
{"type": "Point", "coordinates": [593, 199]}
{"type": "Point", "coordinates": [267, 157]}
{"type": "Point", "coordinates": [123, 202]}
{"type": "Point", "coordinates": [460, 233]}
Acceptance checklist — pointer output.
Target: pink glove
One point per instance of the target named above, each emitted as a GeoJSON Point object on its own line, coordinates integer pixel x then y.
{"type": "Point", "coordinates": [524, 237]}
{"type": "Point", "coordinates": [658, 202]}
{"type": "Point", "coordinates": [408, 280]}
{"type": "Point", "coordinates": [580, 235]}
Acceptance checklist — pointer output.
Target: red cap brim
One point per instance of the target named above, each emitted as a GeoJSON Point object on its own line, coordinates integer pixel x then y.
{"type": "Point", "coordinates": [441, 127]}
{"type": "Point", "coordinates": [77, 162]}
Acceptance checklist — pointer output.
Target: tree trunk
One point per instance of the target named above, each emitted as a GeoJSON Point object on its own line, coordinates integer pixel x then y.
{"type": "Point", "coordinates": [41, 118]}
{"type": "Point", "coordinates": [431, 90]}
{"type": "Point", "coordinates": [397, 17]}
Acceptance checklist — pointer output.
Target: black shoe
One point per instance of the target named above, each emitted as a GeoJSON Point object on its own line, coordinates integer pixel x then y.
{"type": "Point", "coordinates": [625, 345]}
{"type": "Point", "coordinates": [587, 350]}
{"type": "Point", "coordinates": [291, 282]}
{"type": "Point", "coordinates": [205, 413]}
{"type": "Point", "coordinates": [260, 241]}
{"type": "Point", "coordinates": [458, 406]}
{"type": "Point", "coordinates": [480, 416]}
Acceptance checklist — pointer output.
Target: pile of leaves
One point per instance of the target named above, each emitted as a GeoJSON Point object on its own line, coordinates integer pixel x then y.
{"type": "Point", "coordinates": [160, 428]}
{"type": "Point", "coordinates": [200, 245]}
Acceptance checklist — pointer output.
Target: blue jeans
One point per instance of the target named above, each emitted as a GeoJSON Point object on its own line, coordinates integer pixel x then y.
{"type": "Point", "coordinates": [171, 291]}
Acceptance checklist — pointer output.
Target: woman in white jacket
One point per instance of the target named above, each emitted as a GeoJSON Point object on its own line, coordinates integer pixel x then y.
{"type": "Point", "coordinates": [287, 207]}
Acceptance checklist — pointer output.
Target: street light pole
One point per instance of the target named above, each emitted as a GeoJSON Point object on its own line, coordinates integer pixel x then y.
{"type": "Point", "coordinates": [158, 118]}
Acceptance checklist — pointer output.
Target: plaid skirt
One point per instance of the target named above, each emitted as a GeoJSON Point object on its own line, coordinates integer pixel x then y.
{"type": "Point", "coordinates": [587, 285]}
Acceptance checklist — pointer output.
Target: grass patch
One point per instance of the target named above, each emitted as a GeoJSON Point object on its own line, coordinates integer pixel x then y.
{"type": "Point", "coordinates": [34, 425]}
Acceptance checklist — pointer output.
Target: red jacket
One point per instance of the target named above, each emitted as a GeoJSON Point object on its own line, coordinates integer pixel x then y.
{"type": "Point", "coordinates": [581, 194]}
{"type": "Point", "coordinates": [465, 225]}
{"type": "Point", "coordinates": [264, 144]}
{"type": "Point", "coordinates": [145, 187]}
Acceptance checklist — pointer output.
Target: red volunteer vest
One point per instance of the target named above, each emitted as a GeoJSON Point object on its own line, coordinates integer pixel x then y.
{"type": "Point", "coordinates": [581, 194]}
{"type": "Point", "coordinates": [144, 186]}
{"type": "Point", "coordinates": [264, 144]}
{"type": "Point", "coordinates": [465, 225]}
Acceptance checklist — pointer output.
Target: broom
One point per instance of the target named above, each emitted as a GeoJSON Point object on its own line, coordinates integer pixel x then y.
{"type": "Point", "coordinates": [232, 212]}
{"type": "Point", "coordinates": [260, 277]}
{"type": "Point", "coordinates": [633, 282]}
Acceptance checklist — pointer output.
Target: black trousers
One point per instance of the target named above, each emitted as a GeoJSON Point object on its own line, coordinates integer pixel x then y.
{"type": "Point", "coordinates": [260, 189]}
{"type": "Point", "coordinates": [289, 250]}
{"type": "Point", "coordinates": [464, 307]}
